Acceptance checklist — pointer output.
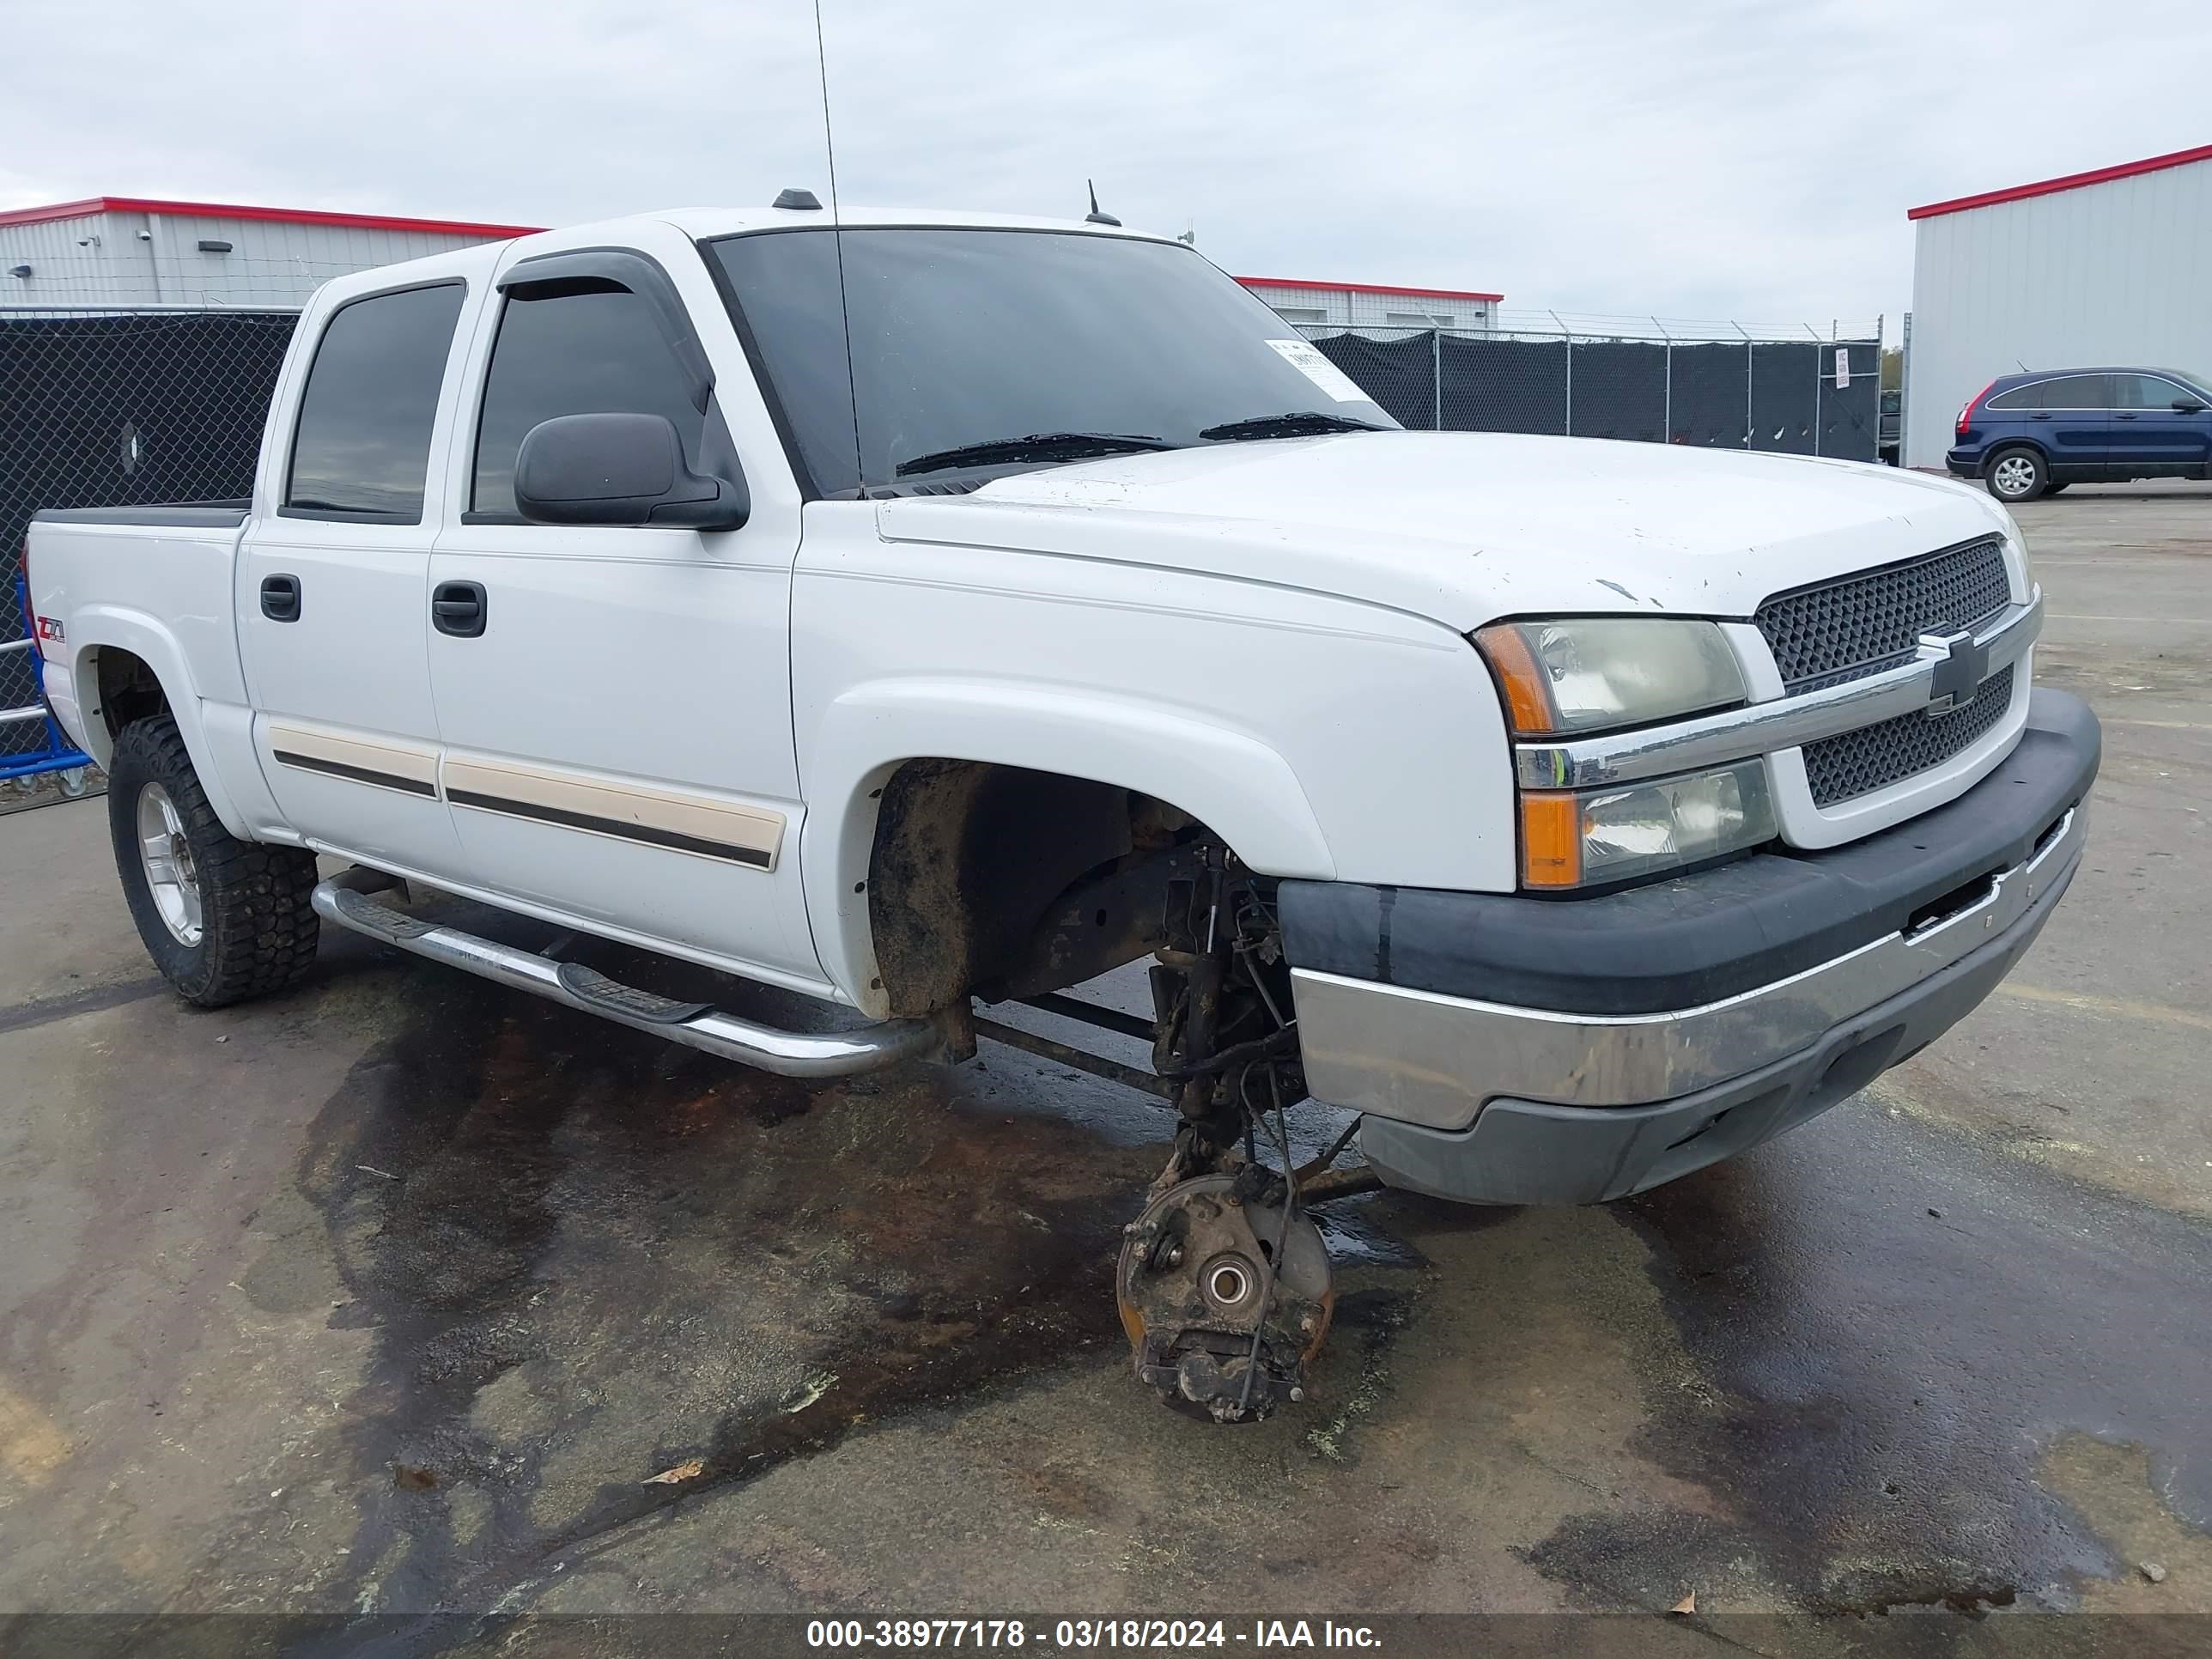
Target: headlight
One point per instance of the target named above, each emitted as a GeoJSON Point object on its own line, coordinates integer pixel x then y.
{"type": "Point", "coordinates": [1589, 673]}
{"type": "Point", "coordinates": [1598, 673]}
{"type": "Point", "coordinates": [1577, 840]}
{"type": "Point", "coordinates": [2018, 542]}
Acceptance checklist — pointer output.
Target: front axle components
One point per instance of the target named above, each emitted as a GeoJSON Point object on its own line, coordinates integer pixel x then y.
{"type": "Point", "coordinates": [1224, 1287]}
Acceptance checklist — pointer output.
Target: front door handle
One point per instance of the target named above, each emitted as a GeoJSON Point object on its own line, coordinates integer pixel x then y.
{"type": "Point", "coordinates": [2124, 417]}
{"type": "Point", "coordinates": [280, 598]}
{"type": "Point", "coordinates": [458, 608]}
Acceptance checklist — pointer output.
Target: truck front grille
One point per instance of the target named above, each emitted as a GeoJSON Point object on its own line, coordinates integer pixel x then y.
{"type": "Point", "coordinates": [1844, 630]}
{"type": "Point", "coordinates": [1842, 769]}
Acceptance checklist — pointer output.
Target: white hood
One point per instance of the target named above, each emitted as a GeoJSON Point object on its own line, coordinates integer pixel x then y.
{"type": "Point", "coordinates": [1467, 527]}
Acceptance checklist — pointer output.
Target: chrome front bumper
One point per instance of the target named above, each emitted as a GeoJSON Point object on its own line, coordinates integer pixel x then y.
{"type": "Point", "coordinates": [1420, 1057]}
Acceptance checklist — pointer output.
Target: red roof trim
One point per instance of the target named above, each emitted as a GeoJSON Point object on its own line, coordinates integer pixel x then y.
{"type": "Point", "coordinates": [92, 204]}
{"type": "Point", "coordinates": [2179, 158]}
{"type": "Point", "coordinates": [39, 215]}
{"type": "Point", "coordinates": [1370, 288]}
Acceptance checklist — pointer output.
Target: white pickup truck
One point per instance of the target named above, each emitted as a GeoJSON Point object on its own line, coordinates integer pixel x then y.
{"type": "Point", "coordinates": [909, 610]}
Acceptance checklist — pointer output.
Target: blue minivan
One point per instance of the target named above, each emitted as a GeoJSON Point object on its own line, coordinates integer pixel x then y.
{"type": "Point", "coordinates": [2025, 436]}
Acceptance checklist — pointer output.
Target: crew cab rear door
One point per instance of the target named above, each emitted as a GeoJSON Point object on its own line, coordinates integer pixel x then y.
{"type": "Point", "coordinates": [331, 577]}
{"type": "Point", "coordinates": [616, 700]}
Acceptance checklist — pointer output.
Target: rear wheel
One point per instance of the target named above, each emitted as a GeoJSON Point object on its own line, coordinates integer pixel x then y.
{"type": "Point", "coordinates": [2017, 475]}
{"type": "Point", "coordinates": [223, 919]}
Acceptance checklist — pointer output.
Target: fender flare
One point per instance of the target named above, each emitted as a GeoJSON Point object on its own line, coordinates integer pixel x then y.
{"type": "Point", "coordinates": [1228, 778]}
{"type": "Point", "coordinates": [1999, 446]}
{"type": "Point", "coordinates": [95, 628]}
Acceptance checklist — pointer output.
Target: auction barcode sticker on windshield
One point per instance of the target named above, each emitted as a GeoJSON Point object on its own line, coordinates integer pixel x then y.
{"type": "Point", "coordinates": [1303, 356]}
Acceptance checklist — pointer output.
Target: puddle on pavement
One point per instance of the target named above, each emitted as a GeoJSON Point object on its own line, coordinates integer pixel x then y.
{"type": "Point", "coordinates": [588, 1257]}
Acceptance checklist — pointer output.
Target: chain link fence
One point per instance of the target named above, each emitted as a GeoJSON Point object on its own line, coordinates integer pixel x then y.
{"type": "Point", "coordinates": [116, 408]}
{"type": "Point", "coordinates": [1807, 396]}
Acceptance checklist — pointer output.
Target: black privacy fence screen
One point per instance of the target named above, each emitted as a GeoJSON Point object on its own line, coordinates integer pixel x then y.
{"type": "Point", "coordinates": [1783, 396]}
{"type": "Point", "coordinates": [121, 410]}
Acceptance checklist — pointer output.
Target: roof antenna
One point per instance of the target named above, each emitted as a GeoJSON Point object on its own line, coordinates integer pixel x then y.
{"type": "Point", "coordinates": [1095, 217]}
{"type": "Point", "coordinates": [837, 236]}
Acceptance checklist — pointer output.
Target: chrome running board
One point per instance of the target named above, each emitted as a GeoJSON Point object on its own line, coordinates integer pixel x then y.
{"type": "Point", "coordinates": [343, 899]}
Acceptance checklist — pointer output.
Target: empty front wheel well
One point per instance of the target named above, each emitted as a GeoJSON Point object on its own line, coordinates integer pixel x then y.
{"type": "Point", "coordinates": [968, 860]}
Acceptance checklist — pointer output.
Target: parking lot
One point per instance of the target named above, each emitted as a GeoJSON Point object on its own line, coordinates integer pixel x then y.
{"type": "Point", "coordinates": [396, 1295]}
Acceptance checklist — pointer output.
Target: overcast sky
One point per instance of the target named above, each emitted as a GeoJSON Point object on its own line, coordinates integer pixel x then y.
{"type": "Point", "coordinates": [1745, 159]}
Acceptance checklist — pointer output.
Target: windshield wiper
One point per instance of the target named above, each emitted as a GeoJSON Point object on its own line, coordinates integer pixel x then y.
{"type": "Point", "coordinates": [1037, 447]}
{"type": "Point", "coordinates": [1301, 424]}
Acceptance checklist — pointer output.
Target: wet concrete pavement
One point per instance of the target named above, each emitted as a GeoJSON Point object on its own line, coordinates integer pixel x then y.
{"type": "Point", "coordinates": [393, 1296]}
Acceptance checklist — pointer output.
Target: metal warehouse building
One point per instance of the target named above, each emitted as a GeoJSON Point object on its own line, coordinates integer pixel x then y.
{"type": "Point", "coordinates": [123, 251]}
{"type": "Point", "coordinates": [2103, 267]}
{"type": "Point", "coordinates": [1373, 305]}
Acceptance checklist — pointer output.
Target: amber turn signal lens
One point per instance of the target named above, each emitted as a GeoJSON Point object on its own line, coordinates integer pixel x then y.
{"type": "Point", "coordinates": [1551, 840]}
{"type": "Point", "coordinates": [1527, 695]}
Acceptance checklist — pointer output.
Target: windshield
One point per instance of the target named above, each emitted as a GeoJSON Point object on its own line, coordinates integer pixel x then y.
{"type": "Point", "coordinates": [977, 352]}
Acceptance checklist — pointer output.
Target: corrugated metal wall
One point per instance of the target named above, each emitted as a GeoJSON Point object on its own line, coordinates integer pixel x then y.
{"type": "Point", "coordinates": [62, 265]}
{"type": "Point", "coordinates": [155, 259]}
{"type": "Point", "coordinates": [1338, 308]}
{"type": "Point", "coordinates": [2118, 272]}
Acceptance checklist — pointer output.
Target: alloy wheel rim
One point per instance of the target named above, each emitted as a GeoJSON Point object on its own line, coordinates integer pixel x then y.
{"type": "Point", "coordinates": [167, 855]}
{"type": "Point", "coordinates": [2014, 475]}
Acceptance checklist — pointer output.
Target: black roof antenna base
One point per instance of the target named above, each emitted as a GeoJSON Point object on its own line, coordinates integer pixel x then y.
{"type": "Point", "coordinates": [803, 200]}
{"type": "Point", "coordinates": [1095, 217]}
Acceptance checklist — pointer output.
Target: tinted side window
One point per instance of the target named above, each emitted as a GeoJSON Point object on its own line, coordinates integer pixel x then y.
{"type": "Point", "coordinates": [587, 348]}
{"type": "Point", "coordinates": [2020, 397]}
{"type": "Point", "coordinates": [2077, 392]}
{"type": "Point", "coordinates": [2148, 391]}
{"type": "Point", "coordinates": [362, 443]}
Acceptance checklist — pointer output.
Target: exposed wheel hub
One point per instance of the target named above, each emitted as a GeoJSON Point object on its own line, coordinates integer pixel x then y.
{"type": "Point", "coordinates": [1213, 1263]}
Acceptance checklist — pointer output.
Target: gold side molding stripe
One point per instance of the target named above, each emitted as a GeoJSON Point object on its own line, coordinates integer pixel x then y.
{"type": "Point", "coordinates": [683, 823]}
{"type": "Point", "coordinates": [381, 764]}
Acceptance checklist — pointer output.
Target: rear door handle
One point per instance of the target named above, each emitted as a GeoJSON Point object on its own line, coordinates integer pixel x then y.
{"type": "Point", "coordinates": [280, 598]}
{"type": "Point", "coordinates": [458, 608]}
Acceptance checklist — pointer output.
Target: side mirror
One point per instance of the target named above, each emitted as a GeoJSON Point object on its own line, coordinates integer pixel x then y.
{"type": "Point", "coordinates": [619, 470]}
{"type": "Point", "coordinates": [2187, 406]}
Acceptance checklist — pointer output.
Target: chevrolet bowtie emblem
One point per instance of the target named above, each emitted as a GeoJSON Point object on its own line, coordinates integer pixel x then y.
{"type": "Point", "coordinates": [1962, 664]}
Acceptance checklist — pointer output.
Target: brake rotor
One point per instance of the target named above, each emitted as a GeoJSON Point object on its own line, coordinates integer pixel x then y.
{"type": "Point", "coordinates": [1199, 1271]}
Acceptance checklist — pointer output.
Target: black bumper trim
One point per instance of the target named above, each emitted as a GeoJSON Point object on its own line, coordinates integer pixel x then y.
{"type": "Point", "coordinates": [1717, 934]}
